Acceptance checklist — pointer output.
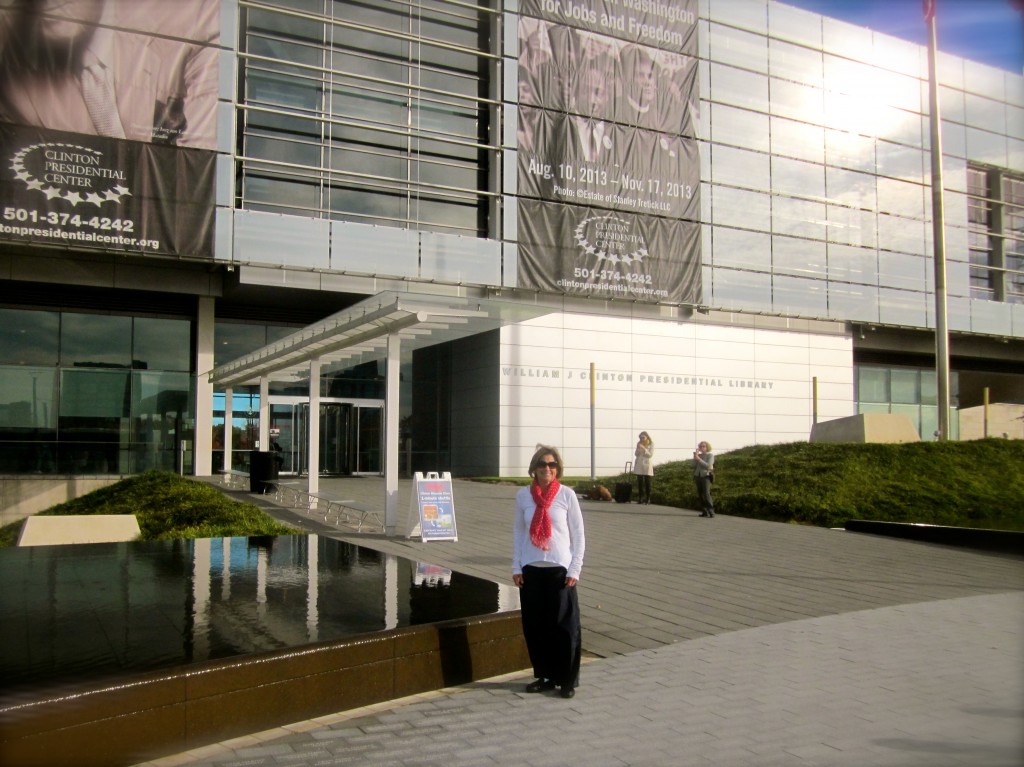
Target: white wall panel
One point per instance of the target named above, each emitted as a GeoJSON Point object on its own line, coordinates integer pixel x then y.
{"type": "Point", "coordinates": [732, 386]}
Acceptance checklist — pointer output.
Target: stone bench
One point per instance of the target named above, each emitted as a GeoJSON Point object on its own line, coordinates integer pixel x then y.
{"type": "Point", "coordinates": [85, 528]}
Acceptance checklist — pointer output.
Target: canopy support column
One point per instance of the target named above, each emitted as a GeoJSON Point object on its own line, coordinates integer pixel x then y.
{"type": "Point", "coordinates": [392, 380]}
{"type": "Point", "coordinates": [313, 451]}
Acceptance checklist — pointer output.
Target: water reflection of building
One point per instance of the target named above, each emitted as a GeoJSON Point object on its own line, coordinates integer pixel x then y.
{"type": "Point", "coordinates": [108, 609]}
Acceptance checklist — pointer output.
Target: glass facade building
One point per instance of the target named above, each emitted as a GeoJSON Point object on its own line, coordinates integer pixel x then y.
{"type": "Point", "coordinates": [756, 234]}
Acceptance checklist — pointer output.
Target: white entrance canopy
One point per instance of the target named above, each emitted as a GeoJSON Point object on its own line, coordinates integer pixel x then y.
{"type": "Point", "coordinates": [376, 328]}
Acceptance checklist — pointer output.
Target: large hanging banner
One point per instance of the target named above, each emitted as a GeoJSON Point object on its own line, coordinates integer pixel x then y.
{"type": "Point", "coordinates": [608, 95]}
{"type": "Point", "coordinates": [71, 190]}
{"type": "Point", "coordinates": [570, 249]}
{"type": "Point", "coordinates": [108, 124]}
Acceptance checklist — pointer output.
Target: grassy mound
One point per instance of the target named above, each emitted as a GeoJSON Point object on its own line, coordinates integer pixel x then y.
{"type": "Point", "coordinates": [168, 507]}
{"type": "Point", "coordinates": [976, 484]}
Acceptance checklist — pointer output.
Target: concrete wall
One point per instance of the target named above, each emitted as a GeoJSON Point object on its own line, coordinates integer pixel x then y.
{"type": "Point", "coordinates": [24, 496]}
{"type": "Point", "coordinates": [1005, 420]}
{"type": "Point", "coordinates": [866, 427]}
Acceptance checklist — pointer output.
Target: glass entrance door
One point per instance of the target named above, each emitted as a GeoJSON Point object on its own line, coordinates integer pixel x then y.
{"type": "Point", "coordinates": [351, 437]}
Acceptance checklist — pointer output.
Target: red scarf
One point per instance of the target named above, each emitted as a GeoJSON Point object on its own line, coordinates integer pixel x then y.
{"type": "Point", "coordinates": [540, 527]}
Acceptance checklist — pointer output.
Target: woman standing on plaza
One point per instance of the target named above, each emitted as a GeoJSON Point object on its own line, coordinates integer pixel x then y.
{"type": "Point", "coordinates": [703, 476]}
{"type": "Point", "coordinates": [547, 559]}
{"type": "Point", "coordinates": [643, 468]}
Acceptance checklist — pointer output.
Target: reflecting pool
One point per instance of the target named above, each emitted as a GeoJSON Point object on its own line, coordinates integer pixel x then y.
{"type": "Point", "coordinates": [82, 613]}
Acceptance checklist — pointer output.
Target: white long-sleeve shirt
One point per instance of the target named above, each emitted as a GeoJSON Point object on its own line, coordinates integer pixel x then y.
{"type": "Point", "coordinates": [567, 539]}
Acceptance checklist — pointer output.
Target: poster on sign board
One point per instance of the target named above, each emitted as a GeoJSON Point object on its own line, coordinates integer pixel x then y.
{"type": "Point", "coordinates": [434, 504]}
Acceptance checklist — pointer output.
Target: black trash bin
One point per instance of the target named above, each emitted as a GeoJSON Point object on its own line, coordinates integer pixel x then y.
{"type": "Point", "coordinates": [262, 471]}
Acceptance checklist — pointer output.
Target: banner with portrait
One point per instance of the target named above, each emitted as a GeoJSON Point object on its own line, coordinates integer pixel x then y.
{"type": "Point", "coordinates": [108, 115]}
{"type": "Point", "coordinates": [71, 190]}
{"type": "Point", "coordinates": [608, 95]}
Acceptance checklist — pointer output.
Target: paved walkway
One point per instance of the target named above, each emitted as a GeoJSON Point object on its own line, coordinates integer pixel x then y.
{"type": "Point", "coordinates": [720, 641]}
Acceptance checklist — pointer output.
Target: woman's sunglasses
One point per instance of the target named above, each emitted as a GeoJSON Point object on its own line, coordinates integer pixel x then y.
{"type": "Point", "coordinates": [549, 464]}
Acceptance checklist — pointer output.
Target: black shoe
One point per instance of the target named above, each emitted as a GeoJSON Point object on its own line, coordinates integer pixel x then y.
{"type": "Point", "coordinates": [704, 514]}
{"type": "Point", "coordinates": [541, 685]}
{"type": "Point", "coordinates": [567, 692]}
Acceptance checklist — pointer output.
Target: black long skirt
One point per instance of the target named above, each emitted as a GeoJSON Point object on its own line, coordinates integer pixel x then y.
{"type": "Point", "coordinates": [551, 624]}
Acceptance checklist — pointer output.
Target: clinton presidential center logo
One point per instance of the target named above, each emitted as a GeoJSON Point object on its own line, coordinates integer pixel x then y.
{"type": "Point", "coordinates": [611, 238]}
{"type": "Point", "coordinates": [76, 174]}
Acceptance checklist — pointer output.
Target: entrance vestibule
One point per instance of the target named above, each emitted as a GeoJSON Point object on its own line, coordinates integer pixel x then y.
{"type": "Point", "coordinates": [351, 436]}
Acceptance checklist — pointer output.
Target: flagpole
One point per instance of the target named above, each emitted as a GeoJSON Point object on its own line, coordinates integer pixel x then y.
{"type": "Point", "coordinates": [938, 231]}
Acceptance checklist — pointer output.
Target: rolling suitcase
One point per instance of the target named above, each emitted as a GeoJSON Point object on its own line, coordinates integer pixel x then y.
{"type": "Point", "coordinates": [623, 492]}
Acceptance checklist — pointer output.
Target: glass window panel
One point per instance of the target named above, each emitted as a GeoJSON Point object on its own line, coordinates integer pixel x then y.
{"type": "Point", "coordinates": [802, 297]}
{"type": "Point", "coordinates": [795, 139]}
{"type": "Point", "coordinates": [873, 384]}
{"type": "Point", "coordinates": [850, 188]}
{"type": "Point", "coordinates": [283, 149]}
{"type": "Point", "coordinates": [952, 105]}
{"type": "Point", "coordinates": [849, 75]}
{"type": "Point", "coordinates": [355, 103]}
{"type": "Point", "coordinates": [794, 62]}
{"type": "Point", "coordinates": [903, 234]}
{"type": "Point", "coordinates": [285, 24]}
{"type": "Point", "coordinates": [232, 340]}
{"type": "Point", "coordinates": [365, 69]}
{"type": "Point", "coordinates": [742, 249]}
{"type": "Point", "coordinates": [868, 407]}
{"type": "Point", "coordinates": [898, 55]}
{"type": "Point", "coordinates": [742, 290]}
{"type": "Point", "coordinates": [929, 428]}
{"type": "Point", "coordinates": [849, 226]}
{"type": "Point", "coordinates": [736, 207]}
{"type": "Point", "coordinates": [448, 216]}
{"type": "Point", "coordinates": [360, 204]}
{"type": "Point", "coordinates": [898, 90]}
{"type": "Point", "coordinates": [162, 344]}
{"type": "Point", "coordinates": [740, 127]}
{"type": "Point", "coordinates": [28, 401]}
{"type": "Point", "coordinates": [798, 102]}
{"type": "Point", "coordinates": [739, 49]}
{"type": "Point", "coordinates": [850, 150]}
{"type": "Point", "coordinates": [799, 218]}
{"type": "Point", "coordinates": [447, 174]}
{"type": "Point", "coordinates": [900, 198]}
{"type": "Point", "coordinates": [806, 258]}
{"type": "Point", "coordinates": [845, 38]}
{"type": "Point", "coordinates": [739, 88]}
{"type": "Point", "coordinates": [954, 140]}
{"type": "Point", "coordinates": [794, 24]}
{"type": "Point", "coordinates": [160, 406]}
{"type": "Point", "coordinates": [29, 337]}
{"type": "Point", "coordinates": [739, 167]}
{"type": "Point", "coordinates": [902, 307]}
{"type": "Point", "coordinates": [987, 112]}
{"type": "Point", "coordinates": [899, 270]}
{"type": "Point", "coordinates": [748, 15]}
{"type": "Point", "coordinates": [283, 193]}
{"type": "Point", "coordinates": [797, 178]}
{"type": "Point", "coordinates": [986, 147]}
{"type": "Point", "coordinates": [94, 394]}
{"type": "Point", "coordinates": [929, 387]}
{"type": "Point", "coordinates": [852, 302]}
{"type": "Point", "coordinates": [898, 161]}
{"type": "Point", "coordinates": [95, 340]}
